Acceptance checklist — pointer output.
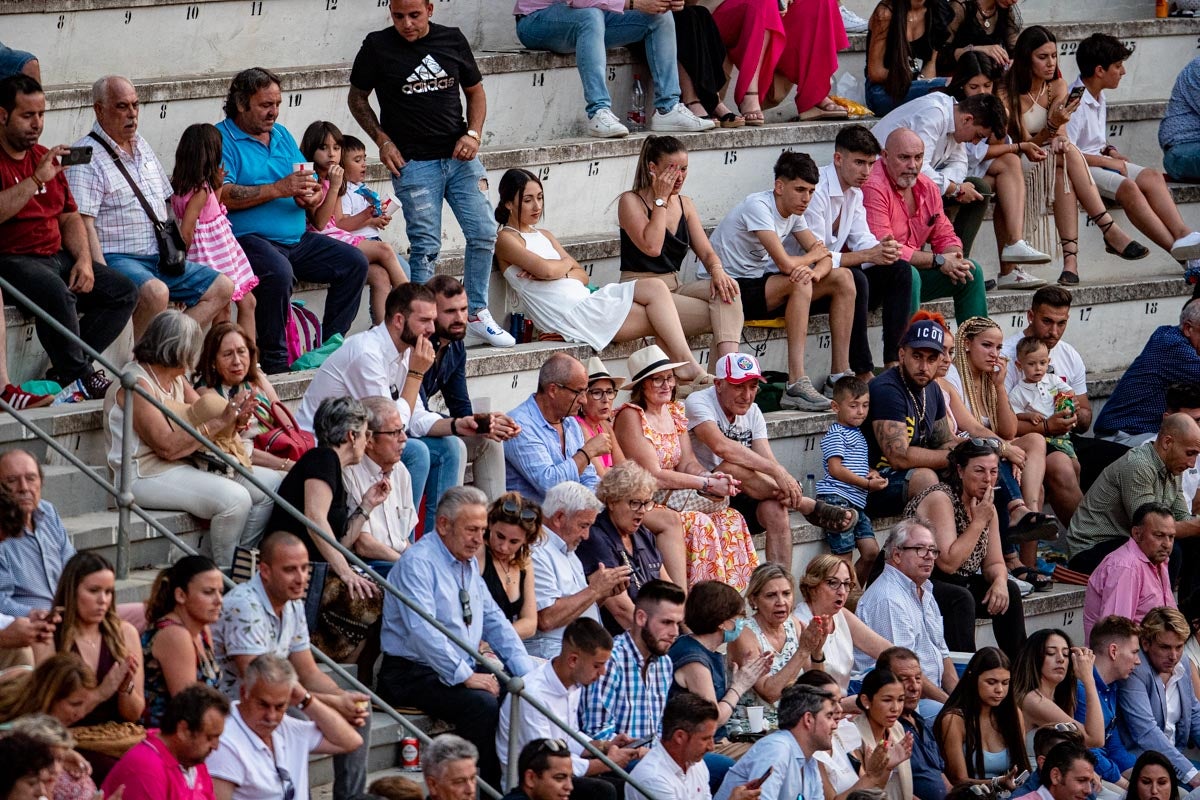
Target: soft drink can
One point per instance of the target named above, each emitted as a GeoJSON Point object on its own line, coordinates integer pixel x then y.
{"type": "Point", "coordinates": [410, 754]}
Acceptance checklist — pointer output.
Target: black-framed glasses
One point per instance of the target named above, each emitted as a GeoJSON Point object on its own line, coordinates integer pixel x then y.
{"type": "Point", "coordinates": [922, 550]}
{"type": "Point", "coordinates": [639, 505]}
{"type": "Point", "coordinates": [602, 394]}
{"type": "Point", "coordinates": [555, 747]}
{"type": "Point", "coordinates": [464, 601]}
{"type": "Point", "coordinates": [285, 780]}
{"type": "Point", "coordinates": [515, 508]}
{"type": "Point", "coordinates": [836, 585]}
{"type": "Point", "coordinates": [393, 433]}
{"type": "Point", "coordinates": [572, 390]}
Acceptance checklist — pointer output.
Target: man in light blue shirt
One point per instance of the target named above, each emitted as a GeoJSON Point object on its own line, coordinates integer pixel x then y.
{"type": "Point", "coordinates": [806, 725]}
{"type": "Point", "coordinates": [424, 669]}
{"type": "Point", "coordinates": [30, 564]}
{"type": "Point", "coordinates": [550, 448]}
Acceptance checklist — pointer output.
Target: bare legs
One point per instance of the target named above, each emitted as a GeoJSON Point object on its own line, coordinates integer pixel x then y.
{"type": "Point", "coordinates": [1150, 207]}
{"type": "Point", "coordinates": [1008, 182]}
{"type": "Point", "coordinates": [838, 286]}
{"type": "Point", "coordinates": [653, 314]}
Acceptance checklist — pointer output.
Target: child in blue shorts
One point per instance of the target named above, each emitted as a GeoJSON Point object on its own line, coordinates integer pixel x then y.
{"type": "Point", "coordinates": [848, 476]}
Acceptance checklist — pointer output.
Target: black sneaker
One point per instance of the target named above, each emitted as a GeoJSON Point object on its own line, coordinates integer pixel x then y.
{"type": "Point", "coordinates": [96, 384]}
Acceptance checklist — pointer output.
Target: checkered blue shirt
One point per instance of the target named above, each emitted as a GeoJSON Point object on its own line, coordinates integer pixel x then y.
{"type": "Point", "coordinates": [30, 565]}
{"type": "Point", "coordinates": [1140, 399]}
{"type": "Point", "coordinates": [622, 700]}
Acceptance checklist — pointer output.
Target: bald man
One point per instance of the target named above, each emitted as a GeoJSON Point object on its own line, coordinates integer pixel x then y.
{"type": "Point", "coordinates": [1149, 473]}
{"type": "Point", "coordinates": [897, 185]}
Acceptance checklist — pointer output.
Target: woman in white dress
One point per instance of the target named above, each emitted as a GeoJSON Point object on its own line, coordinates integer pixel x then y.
{"type": "Point", "coordinates": [553, 287]}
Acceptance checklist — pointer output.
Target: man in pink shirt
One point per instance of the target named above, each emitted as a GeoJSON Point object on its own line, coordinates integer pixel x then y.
{"type": "Point", "coordinates": [169, 764]}
{"type": "Point", "coordinates": [1133, 579]}
{"type": "Point", "coordinates": [903, 203]}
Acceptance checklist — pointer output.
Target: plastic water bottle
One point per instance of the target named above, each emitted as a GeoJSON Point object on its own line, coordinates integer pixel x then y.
{"type": "Point", "coordinates": [636, 119]}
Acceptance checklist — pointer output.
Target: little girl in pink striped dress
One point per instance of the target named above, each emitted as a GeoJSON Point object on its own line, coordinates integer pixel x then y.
{"type": "Point", "coordinates": [202, 220]}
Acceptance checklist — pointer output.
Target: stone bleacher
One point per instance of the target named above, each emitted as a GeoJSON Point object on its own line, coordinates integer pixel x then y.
{"type": "Point", "coordinates": [182, 54]}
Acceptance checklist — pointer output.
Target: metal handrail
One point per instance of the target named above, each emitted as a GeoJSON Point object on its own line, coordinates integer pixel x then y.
{"type": "Point", "coordinates": [125, 505]}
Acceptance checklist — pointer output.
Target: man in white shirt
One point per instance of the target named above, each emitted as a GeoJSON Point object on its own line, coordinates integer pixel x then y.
{"type": "Point", "coordinates": [388, 529]}
{"type": "Point", "coordinates": [836, 216]}
{"type": "Point", "coordinates": [1068, 773]}
{"type": "Point", "coordinates": [558, 683]}
{"type": "Point", "coordinates": [946, 126]}
{"type": "Point", "coordinates": [674, 769]}
{"type": "Point", "coordinates": [1142, 192]}
{"type": "Point", "coordinates": [774, 284]}
{"type": "Point", "coordinates": [263, 751]}
{"type": "Point", "coordinates": [390, 360]}
{"type": "Point", "coordinates": [563, 593]}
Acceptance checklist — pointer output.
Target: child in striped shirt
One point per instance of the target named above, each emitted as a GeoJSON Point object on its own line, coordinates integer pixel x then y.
{"type": "Point", "coordinates": [848, 476]}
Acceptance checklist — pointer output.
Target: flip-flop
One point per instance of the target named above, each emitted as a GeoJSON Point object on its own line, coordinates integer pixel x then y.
{"type": "Point", "coordinates": [1040, 582]}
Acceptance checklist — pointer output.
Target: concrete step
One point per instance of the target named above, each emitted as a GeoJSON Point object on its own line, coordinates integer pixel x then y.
{"type": "Point", "coordinates": [97, 531]}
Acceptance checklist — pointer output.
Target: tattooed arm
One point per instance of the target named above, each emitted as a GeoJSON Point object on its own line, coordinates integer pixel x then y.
{"type": "Point", "coordinates": [897, 447]}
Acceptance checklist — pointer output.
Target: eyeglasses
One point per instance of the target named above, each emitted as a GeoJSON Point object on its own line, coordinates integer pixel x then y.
{"type": "Point", "coordinates": [516, 508]}
{"type": "Point", "coordinates": [602, 394]}
{"type": "Point", "coordinates": [990, 442]}
{"type": "Point", "coordinates": [922, 550]}
{"type": "Point", "coordinates": [285, 780]}
{"type": "Point", "coordinates": [396, 434]}
{"type": "Point", "coordinates": [464, 601]}
{"type": "Point", "coordinates": [662, 379]}
{"type": "Point", "coordinates": [575, 392]}
{"type": "Point", "coordinates": [639, 505]}
{"type": "Point", "coordinates": [555, 747]}
{"type": "Point", "coordinates": [836, 585]}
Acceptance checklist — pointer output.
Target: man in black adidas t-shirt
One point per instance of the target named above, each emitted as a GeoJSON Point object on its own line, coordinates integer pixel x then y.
{"type": "Point", "coordinates": [416, 68]}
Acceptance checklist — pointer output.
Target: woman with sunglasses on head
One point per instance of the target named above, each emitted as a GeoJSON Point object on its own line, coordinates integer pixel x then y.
{"type": "Point", "coordinates": [596, 412]}
{"type": "Point", "coordinates": [514, 527]}
{"type": "Point", "coordinates": [620, 538]}
{"type": "Point", "coordinates": [979, 729]}
{"type": "Point", "coordinates": [970, 580]}
{"type": "Point", "coordinates": [1045, 679]}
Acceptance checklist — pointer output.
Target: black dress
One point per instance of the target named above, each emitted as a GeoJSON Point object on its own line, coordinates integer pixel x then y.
{"type": "Point", "coordinates": [495, 585]}
{"type": "Point", "coordinates": [966, 29]}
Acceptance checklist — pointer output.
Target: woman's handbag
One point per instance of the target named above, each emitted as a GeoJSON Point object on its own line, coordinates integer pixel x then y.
{"type": "Point", "coordinates": [285, 440]}
{"type": "Point", "coordinates": [690, 500]}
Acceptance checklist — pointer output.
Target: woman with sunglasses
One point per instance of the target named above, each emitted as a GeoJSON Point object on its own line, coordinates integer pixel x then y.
{"type": "Point", "coordinates": [979, 729]}
{"type": "Point", "coordinates": [620, 538]}
{"type": "Point", "coordinates": [652, 430]}
{"type": "Point", "coordinates": [824, 589]}
{"type": "Point", "coordinates": [970, 580]}
{"type": "Point", "coordinates": [596, 412]}
{"type": "Point", "coordinates": [514, 527]}
{"type": "Point", "coordinates": [1045, 679]}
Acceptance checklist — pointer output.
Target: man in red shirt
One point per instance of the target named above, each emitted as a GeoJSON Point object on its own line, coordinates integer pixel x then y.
{"type": "Point", "coordinates": [169, 763]}
{"type": "Point", "coordinates": [43, 246]}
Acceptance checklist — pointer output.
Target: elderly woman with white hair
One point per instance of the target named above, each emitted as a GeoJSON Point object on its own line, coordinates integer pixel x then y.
{"type": "Point", "coordinates": [171, 470]}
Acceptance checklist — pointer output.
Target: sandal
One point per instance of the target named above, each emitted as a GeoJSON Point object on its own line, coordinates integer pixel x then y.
{"type": "Point", "coordinates": [1040, 582]}
{"type": "Point", "coordinates": [730, 120]}
{"type": "Point", "coordinates": [1067, 278]}
{"type": "Point", "coordinates": [832, 518]}
{"type": "Point", "coordinates": [832, 110]}
{"type": "Point", "coordinates": [1133, 251]}
{"type": "Point", "coordinates": [753, 119]}
{"type": "Point", "coordinates": [1034, 527]}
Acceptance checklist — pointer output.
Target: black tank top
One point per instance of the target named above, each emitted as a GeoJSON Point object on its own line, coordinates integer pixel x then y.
{"type": "Point", "coordinates": [669, 260]}
{"type": "Point", "coordinates": [491, 578]}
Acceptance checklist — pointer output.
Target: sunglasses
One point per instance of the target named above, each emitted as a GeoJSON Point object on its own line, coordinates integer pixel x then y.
{"type": "Point", "coordinates": [989, 442]}
{"type": "Point", "coordinates": [285, 781]}
{"type": "Point", "coordinates": [516, 508]}
{"type": "Point", "coordinates": [464, 601]}
{"type": "Point", "coordinates": [555, 747]}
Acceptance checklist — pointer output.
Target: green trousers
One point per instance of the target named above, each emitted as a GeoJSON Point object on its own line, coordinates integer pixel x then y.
{"type": "Point", "coordinates": [970, 298]}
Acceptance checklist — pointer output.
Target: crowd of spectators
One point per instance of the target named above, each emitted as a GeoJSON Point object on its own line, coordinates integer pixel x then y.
{"type": "Point", "coordinates": [605, 550]}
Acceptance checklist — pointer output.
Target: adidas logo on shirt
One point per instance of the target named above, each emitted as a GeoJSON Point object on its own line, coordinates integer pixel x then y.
{"type": "Point", "coordinates": [428, 77]}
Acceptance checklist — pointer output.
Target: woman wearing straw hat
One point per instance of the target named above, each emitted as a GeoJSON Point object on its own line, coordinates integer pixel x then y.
{"type": "Point", "coordinates": [652, 430]}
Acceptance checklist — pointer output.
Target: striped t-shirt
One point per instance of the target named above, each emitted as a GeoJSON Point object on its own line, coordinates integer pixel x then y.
{"type": "Point", "coordinates": [850, 445]}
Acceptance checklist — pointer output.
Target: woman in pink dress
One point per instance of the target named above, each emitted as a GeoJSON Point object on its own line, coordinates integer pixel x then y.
{"type": "Point", "coordinates": [776, 49]}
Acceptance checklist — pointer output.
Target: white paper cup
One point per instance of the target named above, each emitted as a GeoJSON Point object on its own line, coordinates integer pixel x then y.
{"type": "Point", "coordinates": [754, 715]}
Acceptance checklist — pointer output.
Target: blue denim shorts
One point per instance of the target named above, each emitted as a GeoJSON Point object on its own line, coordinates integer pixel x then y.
{"type": "Point", "coordinates": [187, 288]}
{"type": "Point", "coordinates": [842, 542]}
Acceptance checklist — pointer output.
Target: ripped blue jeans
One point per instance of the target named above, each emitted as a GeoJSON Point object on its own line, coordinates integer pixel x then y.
{"type": "Point", "coordinates": [421, 188]}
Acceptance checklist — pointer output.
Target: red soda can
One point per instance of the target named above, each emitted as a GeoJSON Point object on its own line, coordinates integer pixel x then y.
{"type": "Point", "coordinates": [410, 754]}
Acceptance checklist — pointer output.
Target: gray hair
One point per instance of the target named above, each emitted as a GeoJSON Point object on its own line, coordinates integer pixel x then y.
{"type": "Point", "coordinates": [570, 497]}
{"type": "Point", "coordinates": [101, 86]}
{"type": "Point", "coordinates": [1190, 313]}
{"type": "Point", "coordinates": [624, 481]}
{"type": "Point", "coordinates": [902, 531]}
{"type": "Point", "coordinates": [557, 369]}
{"type": "Point", "coordinates": [245, 85]}
{"type": "Point", "coordinates": [444, 749]}
{"type": "Point", "coordinates": [456, 498]}
{"type": "Point", "coordinates": [798, 701]}
{"type": "Point", "coordinates": [172, 340]}
{"type": "Point", "coordinates": [335, 418]}
{"type": "Point", "coordinates": [270, 669]}
{"type": "Point", "coordinates": [378, 410]}
{"type": "Point", "coordinates": [44, 728]}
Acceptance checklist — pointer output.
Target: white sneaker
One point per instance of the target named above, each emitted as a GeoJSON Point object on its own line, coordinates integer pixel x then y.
{"type": "Point", "coordinates": [853, 22]}
{"type": "Point", "coordinates": [1021, 253]}
{"type": "Point", "coordinates": [1186, 248]}
{"type": "Point", "coordinates": [680, 120]}
{"type": "Point", "coordinates": [827, 389]}
{"type": "Point", "coordinates": [605, 125]}
{"type": "Point", "coordinates": [482, 326]}
{"type": "Point", "coordinates": [1018, 279]}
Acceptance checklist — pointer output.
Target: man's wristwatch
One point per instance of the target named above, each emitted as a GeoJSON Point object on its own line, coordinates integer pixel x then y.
{"type": "Point", "coordinates": [305, 701]}
{"type": "Point", "coordinates": [475, 135]}
{"type": "Point", "coordinates": [939, 261]}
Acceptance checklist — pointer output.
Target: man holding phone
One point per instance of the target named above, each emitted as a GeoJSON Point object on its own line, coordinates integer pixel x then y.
{"type": "Point", "coordinates": [44, 248]}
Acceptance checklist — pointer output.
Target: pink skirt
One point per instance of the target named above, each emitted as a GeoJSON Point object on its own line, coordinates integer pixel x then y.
{"type": "Point", "coordinates": [214, 245]}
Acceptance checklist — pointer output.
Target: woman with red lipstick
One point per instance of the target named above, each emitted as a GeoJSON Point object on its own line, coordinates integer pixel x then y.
{"type": "Point", "coordinates": [881, 699]}
{"type": "Point", "coordinates": [980, 729]}
{"type": "Point", "coordinates": [1045, 675]}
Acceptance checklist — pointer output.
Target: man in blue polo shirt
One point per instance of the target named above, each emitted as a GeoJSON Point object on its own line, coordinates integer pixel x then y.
{"type": "Point", "coordinates": [267, 202]}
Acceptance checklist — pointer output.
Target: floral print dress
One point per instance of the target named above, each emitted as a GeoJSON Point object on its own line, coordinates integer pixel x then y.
{"type": "Point", "coordinates": [719, 545]}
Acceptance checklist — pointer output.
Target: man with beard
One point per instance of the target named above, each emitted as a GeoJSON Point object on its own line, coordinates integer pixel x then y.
{"type": "Point", "coordinates": [448, 376]}
{"type": "Point", "coordinates": [907, 205]}
{"type": "Point", "coordinates": [1133, 579]}
{"type": "Point", "coordinates": [421, 667]}
{"type": "Point", "coordinates": [908, 434]}
{"type": "Point", "coordinates": [390, 360]}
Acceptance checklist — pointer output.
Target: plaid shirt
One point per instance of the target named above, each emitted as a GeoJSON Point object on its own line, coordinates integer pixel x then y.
{"type": "Point", "coordinates": [624, 700]}
{"type": "Point", "coordinates": [102, 192]}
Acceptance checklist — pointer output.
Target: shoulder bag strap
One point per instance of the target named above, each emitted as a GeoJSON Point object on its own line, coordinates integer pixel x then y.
{"type": "Point", "coordinates": [132, 185]}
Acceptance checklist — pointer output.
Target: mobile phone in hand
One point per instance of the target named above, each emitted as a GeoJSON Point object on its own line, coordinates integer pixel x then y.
{"type": "Point", "coordinates": [77, 155]}
{"type": "Point", "coordinates": [761, 779]}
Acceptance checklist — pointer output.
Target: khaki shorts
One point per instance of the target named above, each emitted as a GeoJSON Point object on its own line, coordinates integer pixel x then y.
{"type": "Point", "coordinates": [1108, 182]}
